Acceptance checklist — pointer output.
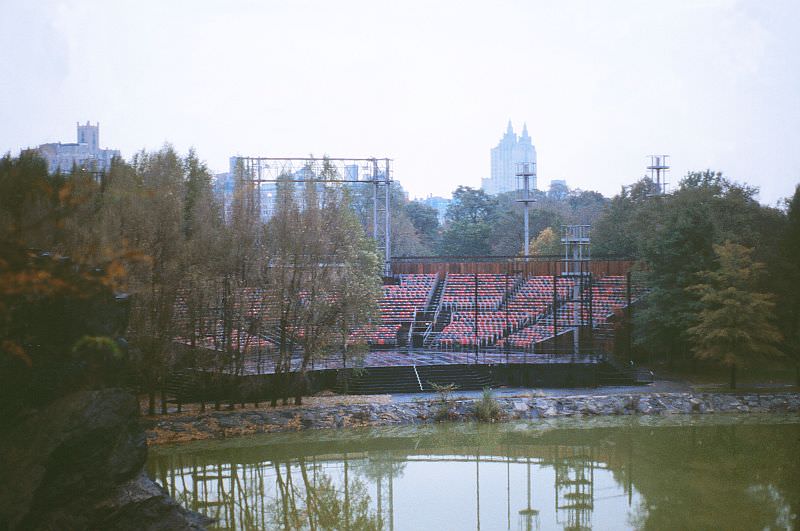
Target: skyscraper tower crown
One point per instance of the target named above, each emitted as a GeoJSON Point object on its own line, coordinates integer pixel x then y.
{"type": "Point", "coordinates": [504, 158]}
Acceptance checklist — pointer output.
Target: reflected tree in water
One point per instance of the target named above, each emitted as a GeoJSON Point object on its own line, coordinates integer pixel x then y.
{"type": "Point", "coordinates": [382, 469]}
{"type": "Point", "coordinates": [316, 501]}
{"type": "Point", "coordinates": [628, 476]}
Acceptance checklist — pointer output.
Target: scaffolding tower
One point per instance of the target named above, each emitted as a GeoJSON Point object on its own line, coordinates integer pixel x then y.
{"type": "Point", "coordinates": [577, 255]}
{"type": "Point", "coordinates": [265, 172]}
{"type": "Point", "coordinates": [658, 173]}
{"type": "Point", "coordinates": [574, 486]}
{"type": "Point", "coordinates": [577, 250]}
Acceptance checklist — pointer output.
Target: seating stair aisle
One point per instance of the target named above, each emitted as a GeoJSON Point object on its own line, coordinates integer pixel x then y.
{"type": "Point", "coordinates": [425, 317]}
{"type": "Point", "coordinates": [441, 321]}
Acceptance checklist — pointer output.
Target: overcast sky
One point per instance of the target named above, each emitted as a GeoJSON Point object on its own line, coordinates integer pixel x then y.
{"type": "Point", "coordinates": [601, 84]}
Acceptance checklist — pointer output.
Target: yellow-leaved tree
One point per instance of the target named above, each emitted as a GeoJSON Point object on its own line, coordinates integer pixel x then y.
{"type": "Point", "coordinates": [546, 243]}
{"type": "Point", "coordinates": [735, 320]}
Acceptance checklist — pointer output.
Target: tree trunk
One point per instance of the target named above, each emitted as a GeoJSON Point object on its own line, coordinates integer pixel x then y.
{"type": "Point", "coordinates": [285, 380]}
{"type": "Point", "coordinates": [216, 388]}
{"type": "Point", "coordinates": [276, 389]}
{"type": "Point", "coordinates": [163, 401]}
{"type": "Point", "coordinates": [300, 388]}
{"type": "Point", "coordinates": [733, 376]}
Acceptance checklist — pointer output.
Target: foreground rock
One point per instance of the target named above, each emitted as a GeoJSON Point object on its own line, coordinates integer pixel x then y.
{"type": "Point", "coordinates": [222, 424]}
{"type": "Point", "coordinates": [78, 464]}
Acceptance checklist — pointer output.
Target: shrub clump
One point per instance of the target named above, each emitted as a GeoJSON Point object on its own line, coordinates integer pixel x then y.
{"type": "Point", "coordinates": [488, 409]}
{"type": "Point", "coordinates": [445, 401]}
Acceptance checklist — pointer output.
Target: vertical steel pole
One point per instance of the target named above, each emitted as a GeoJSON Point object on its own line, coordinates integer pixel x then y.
{"type": "Point", "coordinates": [476, 314]}
{"type": "Point", "coordinates": [387, 227]}
{"type": "Point", "coordinates": [375, 200]}
{"type": "Point", "coordinates": [628, 312]}
{"type": "Point", "coordinates": [591, 313]}
{"type": "Point", "coordinates": [527, 235]}
{"type": "Point", "coordinates": [507, 326]}
{"type": "Point", "coordinates": [555, 312]}
{"type": "Point", "coordinates": [258, 189]}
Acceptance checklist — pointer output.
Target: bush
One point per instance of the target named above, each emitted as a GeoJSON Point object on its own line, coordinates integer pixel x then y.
{"type": "Point", "coordinates": [445, 400]}
{"type": "Point", "coordinates": [488, 409]}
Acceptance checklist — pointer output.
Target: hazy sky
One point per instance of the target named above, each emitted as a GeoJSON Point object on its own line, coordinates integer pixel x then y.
{"type": "Point", "coordinates": [431, 84]}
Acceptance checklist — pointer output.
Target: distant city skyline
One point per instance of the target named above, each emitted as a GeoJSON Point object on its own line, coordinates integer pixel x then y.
{"type": "Point", "coordinates": [712, 83]}
{"type": "Point", "coordinates": [505, 156]}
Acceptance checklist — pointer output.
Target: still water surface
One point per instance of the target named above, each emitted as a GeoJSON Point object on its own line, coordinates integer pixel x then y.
{"type": "Point", "coordinates": [716, 472]}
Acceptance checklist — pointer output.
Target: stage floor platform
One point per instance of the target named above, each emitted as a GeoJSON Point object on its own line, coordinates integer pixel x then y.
{"type": "Point", "coordinates": [407, 358]}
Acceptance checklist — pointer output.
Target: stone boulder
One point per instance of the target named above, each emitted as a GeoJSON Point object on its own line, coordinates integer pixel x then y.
{"type": "Point", "coordinates": [78, 464]}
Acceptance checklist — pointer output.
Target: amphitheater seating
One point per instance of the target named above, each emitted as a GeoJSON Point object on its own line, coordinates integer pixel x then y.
{"type": "Point", "coordinates": [240, 341]}
{"type": "Point", "coordinates": [459, 291]}
{"type": "Point", "coordinates": [380, 335]}
{"type": "Point", "coordinates": [510, 311]}
{"type": "Point", "coordinates": [527, 337]}
{"type": "Point", "coordinates": [399, 302]}
{"type": "Point", "coordinates": [608, 295]}
{"type": "Point", "coordinates": [535, 295]}
{"type": "Point", "coordinates": [461, 330]}
{"type": "Point", "coordinates": [525, 304]}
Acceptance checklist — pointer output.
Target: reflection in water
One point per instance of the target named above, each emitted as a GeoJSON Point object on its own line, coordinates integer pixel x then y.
{"type": "Point", "coordinates": [618, 474]}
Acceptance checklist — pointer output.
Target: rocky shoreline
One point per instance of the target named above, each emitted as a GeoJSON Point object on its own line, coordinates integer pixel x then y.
{"type": "Point", "coordinates": [177, 428]}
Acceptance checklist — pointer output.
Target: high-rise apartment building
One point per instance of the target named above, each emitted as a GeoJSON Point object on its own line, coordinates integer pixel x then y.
{"type": "Point", "coordinates": [85, 153]}
{"type": "Point", "coordinates": [505, 156]}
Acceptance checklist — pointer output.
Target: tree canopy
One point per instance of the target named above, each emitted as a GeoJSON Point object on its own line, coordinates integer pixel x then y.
{"type": "Point", "coordinates": [734, 322]}
{"type": "Point", "coordinates": [155, 229]}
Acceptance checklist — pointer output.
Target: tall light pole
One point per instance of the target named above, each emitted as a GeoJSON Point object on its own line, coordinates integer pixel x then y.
{"type": "Point", "coordinates": [526, 176]}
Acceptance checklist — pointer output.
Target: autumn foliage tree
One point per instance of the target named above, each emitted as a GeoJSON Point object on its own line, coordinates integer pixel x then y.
{"type": "Point", "coordinates": [546, 243]}
{"type": "Point", "coordinates": [57, 308]}
{"type": "Point", "coordinates": [322, 272]}
{"type": "Point", "coordinates": [735, 320]}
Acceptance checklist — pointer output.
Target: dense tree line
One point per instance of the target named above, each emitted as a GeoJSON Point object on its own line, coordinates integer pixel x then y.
{"type": "Point", "coordinates": [719, 267]}
{"type": "Point", "coordinates": [153, 229]}
{"type": "Point", "coordinates": [477, 224]}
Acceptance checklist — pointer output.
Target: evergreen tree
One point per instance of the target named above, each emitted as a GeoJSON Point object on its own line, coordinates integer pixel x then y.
{"type": "Point", "coordinates": [674, 250]}
{"type": "Point", "coordinates": [735, 321]}
{"type": "Point", "coordinates": [787, 275]}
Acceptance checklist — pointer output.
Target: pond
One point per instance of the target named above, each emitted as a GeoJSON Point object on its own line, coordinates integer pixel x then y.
{"type": "Point", "coordinates": [681, 472]}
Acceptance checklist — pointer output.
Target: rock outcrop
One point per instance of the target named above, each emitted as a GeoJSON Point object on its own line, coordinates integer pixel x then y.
{"type": "Point", "coordinates": [78, 464]}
